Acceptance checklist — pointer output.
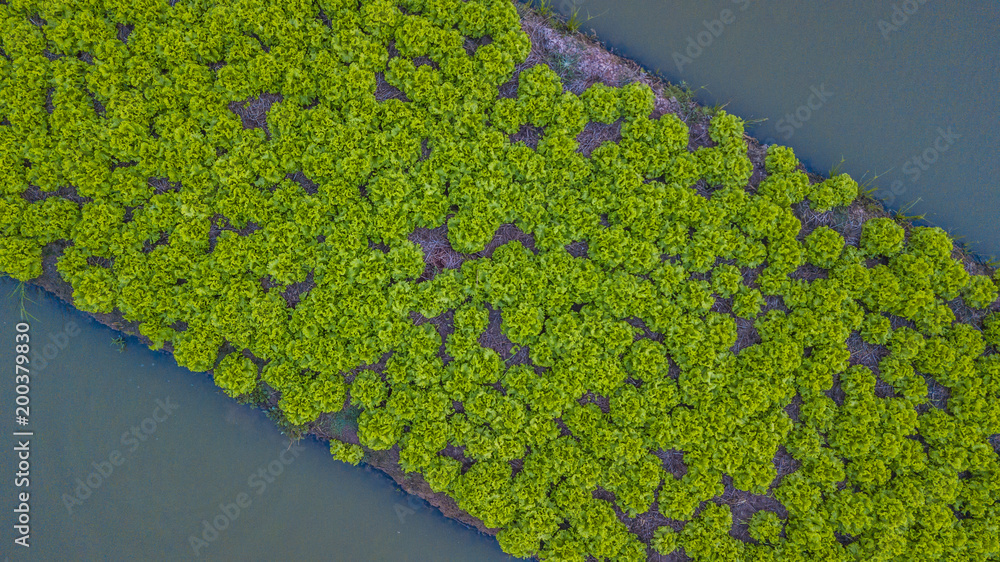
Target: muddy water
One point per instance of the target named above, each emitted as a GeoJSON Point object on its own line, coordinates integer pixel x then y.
{"type": "Point", "coordinates": [132, 455]}
{"type": "Point", "coordinates": [905, 90]}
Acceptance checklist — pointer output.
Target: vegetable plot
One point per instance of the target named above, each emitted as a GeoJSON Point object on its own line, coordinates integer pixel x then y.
{"type": "Point", "coordinates": [255, 183]}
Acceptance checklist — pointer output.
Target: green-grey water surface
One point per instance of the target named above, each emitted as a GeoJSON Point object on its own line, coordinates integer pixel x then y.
{"type": "Point", "coordinates": [187, 468]}
{"type": "Point", "coordinates": [907, 90]}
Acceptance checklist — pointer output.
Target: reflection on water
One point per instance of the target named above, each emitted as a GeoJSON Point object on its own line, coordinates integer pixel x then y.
{"type": "Point", "coordinates": [905, 90]}
{"type": "Point", "coordinates": [134, 458]}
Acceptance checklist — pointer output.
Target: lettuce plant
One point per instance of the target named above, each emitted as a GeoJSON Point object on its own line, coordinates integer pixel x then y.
{"type": "Point", "coordinates": [384, 206]}
{"type": "Point", "coordinates": [882, 237]}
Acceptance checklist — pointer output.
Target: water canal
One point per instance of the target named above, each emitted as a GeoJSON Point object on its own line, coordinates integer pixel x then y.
{"type": "Point", "coordinates": [132, 455]}
{"type": "Point", "coordinates": [904, 90]}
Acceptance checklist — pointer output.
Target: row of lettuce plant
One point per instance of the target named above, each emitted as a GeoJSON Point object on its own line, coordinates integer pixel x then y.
{"type": "Point", "coordinates": [119, 146]}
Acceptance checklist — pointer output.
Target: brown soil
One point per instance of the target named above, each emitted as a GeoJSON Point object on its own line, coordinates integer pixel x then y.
{"type": "Point", "coordinates": [582, 61]}
{"type": "Point", "coordinates": [253, 111]}
{"type": "Point", "coordinates": [385, 461]}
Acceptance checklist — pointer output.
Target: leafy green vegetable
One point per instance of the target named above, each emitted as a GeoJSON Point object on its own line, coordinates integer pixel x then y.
{"type": "Point", "coordinates": [765, 527]}
{"type": "Point", "coordinates": [337, 196]}
{"type": "Point", "coordinates": [346, 452]}
{"type": "Point", "coordinates": [882, 237]}
{"type": "Point", "coordinates": [664, 540]}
